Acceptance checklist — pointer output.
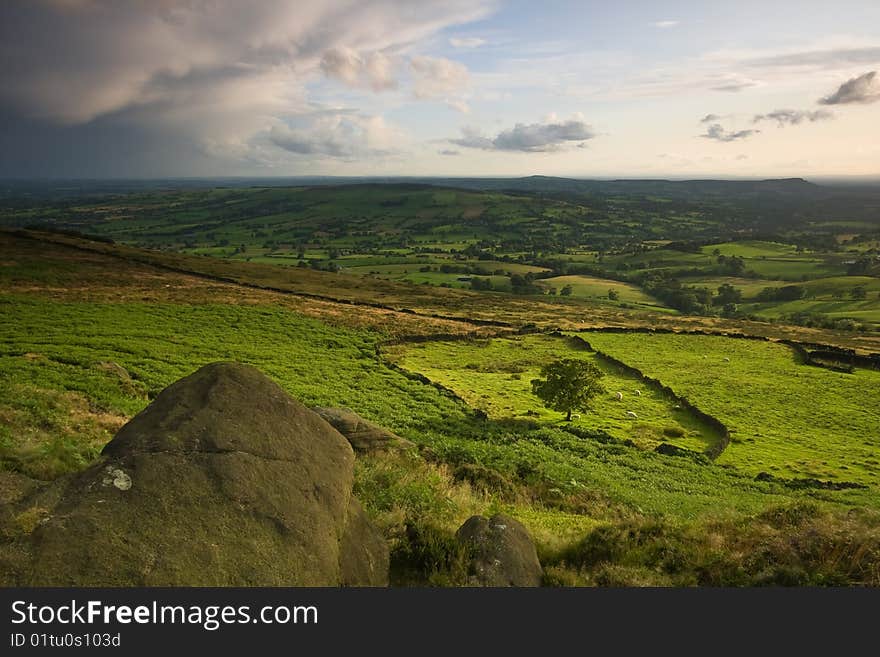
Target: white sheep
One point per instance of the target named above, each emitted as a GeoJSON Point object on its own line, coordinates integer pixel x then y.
{"type": "Point", "coordinates": [638, 393]}
{"type": "Point", "coordinates": [575, 416]}
{"type": "Point", "coordinates": [726, 359]}
{"type": "Point", "coordinates": [619, 395]}
{"type": "Point", "coordinates": [632, 415]}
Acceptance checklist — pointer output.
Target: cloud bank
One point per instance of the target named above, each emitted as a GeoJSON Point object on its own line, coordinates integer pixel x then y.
{"type": "Point", "coordinates": [343, 136]}
{"type": "Point", "coordinates": [530, 138]}
{"type": "Point", "coordinates": [784, 117]}
{"type": "Point", "coordinates": [862, 89]}
{"type": "Point", "coordinates": [216, 74]}
{"type": "Point", "coordinates": [466, 42]}
{"type": "Point", "coordinates": [373, 70]}
{"type": "Point", "coordinates": [717, 132]}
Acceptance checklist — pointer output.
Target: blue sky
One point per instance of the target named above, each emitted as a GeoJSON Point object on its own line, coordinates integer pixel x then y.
{"type": "Point", "coordinates": [386, 87]}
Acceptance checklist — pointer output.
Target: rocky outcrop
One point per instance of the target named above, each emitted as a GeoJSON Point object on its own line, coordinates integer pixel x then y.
{"type": "Point", "coordinates": [502, 552]}
{"type": "Point", "coordinates": [364, 436]}
{"type": "Point", "coordinates": [224, 480]}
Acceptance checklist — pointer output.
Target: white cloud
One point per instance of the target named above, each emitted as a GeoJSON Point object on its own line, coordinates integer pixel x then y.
{"type": "Point", "coordinates": [785, 117]}
{"type": "Point", "coordinates": [342, 136]}
{"type": "Point", "coordinates": [665, 25]}
{"type": "Point", "coordinates": [374, 70]}
{"type": "Point", "coordinates": [530, 138]}
{"type": "Point", "coordinates": [862, 89]}
{"type": "Point", "coordinates": [437, 77]}
{"type": "Point", "coordinates": [717, 132]}
{"type": "Point", "coordinates": [432, 78]}
{"type": "Point", "coordinates": [466, 42]}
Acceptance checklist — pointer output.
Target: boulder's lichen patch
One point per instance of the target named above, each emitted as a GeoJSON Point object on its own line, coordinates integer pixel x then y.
{"type": "Point", "coordinates": [116, 477]}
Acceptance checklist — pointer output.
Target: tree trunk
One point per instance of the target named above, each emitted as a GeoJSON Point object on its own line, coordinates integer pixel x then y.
{"type": "Point", "coordinates": [568, 417]}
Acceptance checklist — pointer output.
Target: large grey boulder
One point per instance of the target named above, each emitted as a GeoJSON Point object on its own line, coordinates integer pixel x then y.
{"type": "Point", "coordinates": [502, 552]}
{"type": "Point", "coordinates": [224, 480]}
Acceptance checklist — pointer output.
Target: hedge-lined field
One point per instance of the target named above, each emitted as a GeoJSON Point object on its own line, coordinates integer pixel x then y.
{"type": "Point", "coordinates": [787, 419]}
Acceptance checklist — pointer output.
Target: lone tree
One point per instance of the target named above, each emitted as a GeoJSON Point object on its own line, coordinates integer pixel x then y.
{"type": "Point", "coordinates": [568, 385]}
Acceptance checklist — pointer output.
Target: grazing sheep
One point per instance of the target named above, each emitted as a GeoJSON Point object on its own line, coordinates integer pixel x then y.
{"type": "Point", "coordinates": [575, 416]}
{"type": "Point", "coordinates": [619, 395]}
{"type": "Point", "coordinates": [638, 393]}
{"type": "Point", "coordinates": [631, 414]}
{"type": "Point", "coordinates": [726, 359]}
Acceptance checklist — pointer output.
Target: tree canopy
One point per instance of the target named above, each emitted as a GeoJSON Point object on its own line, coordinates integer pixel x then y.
{"type": "Point", "coordinates": [568, 385]}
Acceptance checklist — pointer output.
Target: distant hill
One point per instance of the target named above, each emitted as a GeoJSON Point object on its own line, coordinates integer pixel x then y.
{"type": "Point", "coordinates": [680, 189]}
{"type": "Point", "coordinates": [792, 187]}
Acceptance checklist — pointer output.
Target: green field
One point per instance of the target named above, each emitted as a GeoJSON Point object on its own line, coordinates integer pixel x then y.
{"type": "Point", "coordinates": [590, 287]}
{"type": "Point", "coordinates": [749, 287]}
{"type": "Point", "coordinates": [785, 418]}
{"type": "Point", "coordinates": [494, 376]}
{"type": "Point", "coordinates": [766, 260]}
{"type": "Point", "coordinates": [752, 249]}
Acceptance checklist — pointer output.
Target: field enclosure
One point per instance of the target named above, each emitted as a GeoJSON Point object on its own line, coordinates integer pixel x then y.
{"type": "Point", "coordinates": [785, 417]}
{"type": "Point", "coordinates": [493, 375]}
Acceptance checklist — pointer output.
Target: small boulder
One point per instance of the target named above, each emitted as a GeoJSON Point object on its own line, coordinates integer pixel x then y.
{"type": "Point", "coordinates": [126, 383]}
{"type": "Point", "coordinates": [364, 436]}
{"type": "Point", "coordinates": [502, 552]}
{"type": "Point", "coordinates": [114, 369]}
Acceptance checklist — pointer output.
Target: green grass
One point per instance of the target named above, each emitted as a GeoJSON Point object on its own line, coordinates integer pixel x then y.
{"type": "Point", "coordinates": [748, 286]}
{"type": "Point", "coordinates": [788, 419]}
{"type": "Point", "coordinates": [841, 286]}
{"type": "Point", "coordinates": [590, 287]}
{"type": "Point", "coordinates": [794, 268]}
{"type": "Point", "coordinates": [54, 348]}
{"type": "Point", "coordinates": [752, 249]}
{"type": "Point", "coordinates": [494, 376]}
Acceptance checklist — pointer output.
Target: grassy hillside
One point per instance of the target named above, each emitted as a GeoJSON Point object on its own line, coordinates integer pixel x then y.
{"type": "Point", "coordinates": [88, 338]}
{"type": "Point", "coordinates": [661, 246]}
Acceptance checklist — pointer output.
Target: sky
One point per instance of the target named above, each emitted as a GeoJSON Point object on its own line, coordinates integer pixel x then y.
{"type": "Point", "coordinates": [174, 88]}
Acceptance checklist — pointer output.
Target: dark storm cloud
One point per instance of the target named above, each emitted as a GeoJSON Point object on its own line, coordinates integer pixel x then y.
{"type": "Point", "coordinates": [211, 74]}
{"type": "Point", "coordinates": [717, 132]}
{"type": "Point", "coordinates": [530, 138]}
{"type": "Point", "coordinates": [785, 117]}
{"type": "Point", "coordinates": [862, 89]}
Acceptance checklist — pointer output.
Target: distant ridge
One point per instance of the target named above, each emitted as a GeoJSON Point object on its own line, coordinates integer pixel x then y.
{"type": "Point", "coordinates": [690, 189]}
{"type": "Point", "coordinates": [37, 190]}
